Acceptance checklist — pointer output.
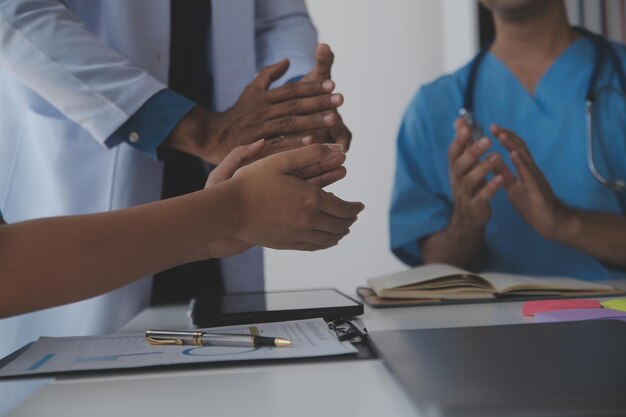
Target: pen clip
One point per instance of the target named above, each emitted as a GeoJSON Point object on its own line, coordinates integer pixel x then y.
{"type": "Point", "coordinates": [152, 341]}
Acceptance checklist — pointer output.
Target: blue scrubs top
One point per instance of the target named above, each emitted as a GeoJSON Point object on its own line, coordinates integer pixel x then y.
{"type": "Point", "coordinates": [552, 123]}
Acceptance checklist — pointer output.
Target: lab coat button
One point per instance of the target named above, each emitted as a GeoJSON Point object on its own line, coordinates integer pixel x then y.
{"type": "Point", "coordinates": [133, 137]}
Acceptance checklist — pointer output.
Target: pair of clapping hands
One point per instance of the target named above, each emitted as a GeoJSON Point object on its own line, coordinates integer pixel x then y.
{"type": "Point", "coordinates": [280, 176]}
{"type": "Point", "coordinates": [529, 192]}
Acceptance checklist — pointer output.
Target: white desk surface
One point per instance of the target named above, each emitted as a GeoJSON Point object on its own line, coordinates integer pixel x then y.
{"type": "Point", "coordinates": [348, 388]}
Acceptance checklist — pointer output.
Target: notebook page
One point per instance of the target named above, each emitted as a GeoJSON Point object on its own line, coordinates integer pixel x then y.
{"type": "Point", "coordinates": [510, 282]}
{"type": "Point", "coordinates": [420, 275]}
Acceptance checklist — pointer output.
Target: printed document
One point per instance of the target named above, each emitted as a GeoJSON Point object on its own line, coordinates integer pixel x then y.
{"type": "Point", "coordinates": [311, 338]}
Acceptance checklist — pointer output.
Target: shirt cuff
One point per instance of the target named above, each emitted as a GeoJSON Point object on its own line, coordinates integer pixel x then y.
{"type": "Point", "coordinates": [150, 126]}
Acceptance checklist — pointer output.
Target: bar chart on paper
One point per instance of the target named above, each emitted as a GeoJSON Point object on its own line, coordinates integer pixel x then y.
{"type": "Point", "coordinates": [70, 354]}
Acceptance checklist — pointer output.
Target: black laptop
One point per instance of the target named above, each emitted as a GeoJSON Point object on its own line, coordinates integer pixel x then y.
{"type": "Point", "coordinates": [552, 369]}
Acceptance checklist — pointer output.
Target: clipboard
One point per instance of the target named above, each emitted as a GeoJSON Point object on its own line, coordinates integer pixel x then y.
{"type": "Point", "coordinates": [345, 330]}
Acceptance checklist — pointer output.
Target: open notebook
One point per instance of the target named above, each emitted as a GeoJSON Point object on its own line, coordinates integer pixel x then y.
{"type": "Point", "coordinates": [445, 282]}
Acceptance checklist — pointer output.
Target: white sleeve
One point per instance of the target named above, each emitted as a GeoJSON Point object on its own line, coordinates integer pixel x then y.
{"type": "Point", "coordinates": [48, 49]}
{"type": "Point", "coordinates": [284, 30]}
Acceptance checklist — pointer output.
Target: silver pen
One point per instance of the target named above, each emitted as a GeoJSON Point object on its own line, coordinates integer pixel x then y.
{"type": "Point", "coordinates": [198, 338]}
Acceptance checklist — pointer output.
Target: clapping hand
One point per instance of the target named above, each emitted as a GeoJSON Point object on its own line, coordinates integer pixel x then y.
{"type": "Point", "coordinates": [529, 192]}
{"type": "Point", "coordinates": [319, 166]}
{"type": "Point", "coordinates": [337, 133]}
{"type": "Point", "coordinates": [468, 177]}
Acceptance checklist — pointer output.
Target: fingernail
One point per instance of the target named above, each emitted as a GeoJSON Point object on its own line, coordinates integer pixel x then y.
{"type": "Point", "coordinates": [328, 85]}
{"type": "Point", "coordinates": [483, 143]}
{"type": "Point", "coordinates": [493, 157]}
{"type": "Point", "coordinates": [335, 147]}
{"type": "Point", "coordinates": [307, 140]}
{"type": "Point", "coordinates": [329, 118]}
{"type": "Point", "coordinates": [336, 99]}
{"type": "Point", "coordinates": [464, 131]}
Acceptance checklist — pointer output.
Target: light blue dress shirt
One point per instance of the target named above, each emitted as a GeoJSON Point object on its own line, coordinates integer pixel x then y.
{"type": "Point", "coordinates": [552, 123]}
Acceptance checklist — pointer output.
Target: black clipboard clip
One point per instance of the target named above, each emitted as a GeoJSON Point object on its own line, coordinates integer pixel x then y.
{"type": "Point", "coordinates": [348, 330]}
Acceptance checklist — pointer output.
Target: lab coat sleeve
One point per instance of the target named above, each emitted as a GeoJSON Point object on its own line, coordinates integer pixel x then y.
{"type": "Point", "coordinates": [284, 30]}
{"type": "Point", "coordinates": [45, 47]}
{"type": "Point", "coordinates": [150, 126]}
{"type": "Point", "coordinates": [420, 205]}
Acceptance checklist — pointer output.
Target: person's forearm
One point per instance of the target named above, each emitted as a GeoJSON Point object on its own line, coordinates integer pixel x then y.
{"type": "Point", "coordinates": [461, 247]}
{"type": "Point", "coordinates": [601, 235]}
{"type": "Point", "coordinates": [54, 261]}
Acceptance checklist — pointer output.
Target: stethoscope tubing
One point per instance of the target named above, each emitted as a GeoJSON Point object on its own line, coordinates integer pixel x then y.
{"type": "Point", "coordinates": [602, 48]}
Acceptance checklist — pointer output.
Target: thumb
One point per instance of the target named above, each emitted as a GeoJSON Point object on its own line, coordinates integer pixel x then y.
{"type": "Point", "coordinates": [269, 74]}
{"type": "Point", "coordinates": [460, 123]}
{"type": "Point", "coordinates": [237, 158]}
{"type": "Point", "coordinates": [293, 161]}
{"type": "Point", "coordinates": [325, 58]}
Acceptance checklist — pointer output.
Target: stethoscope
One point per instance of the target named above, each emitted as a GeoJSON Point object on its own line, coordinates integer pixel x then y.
{"type": "Point", "coordinates": [602, 48]}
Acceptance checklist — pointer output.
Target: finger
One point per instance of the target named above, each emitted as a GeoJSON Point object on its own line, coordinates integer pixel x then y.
{"type": "Point", "coordinates": [514, 144]}
{"type": "Point", "coordinates": [334, 206]}
{"type": "Point", "coordinates": [289, 125]}
{"type": "Point", "coordinates": [497, 130]}
{"type": "Point", "coordinates": [324, 61]}
{"type": "Point", "coordinates": [323, 239]}
{"type": "Point", "coordinates": [489, 190]}
{"type": "Point", "coordinates": [477, 175]}
{"type": "Point", "coordinates": [269, 74]}
{"type": "Point", "coordinates": [309, 247]}
{"type": "Point", "coordinates": [508, 178]}
{"type": "Point", "coordinates": [332, 224]}
{"type": "Point", "coordinates": [322, 135]}
{"type": "Point", "coordinates": [511, 145]}
{"type": "Point", "coordinates": [329, 177]}
{"type": "Point", "coordinates": [510, 140]}
{"type": "Point", "coordinates": [294, 160]}
{"type": "Point", "coordinates": [319, 168]}
{"type": "Point", "coordinates": [252, 150]}
{"type": "Point", "coordinates": [277, 145]}
{"type": "Point", "coordinates": [470, 157]}
{"type": "Point", "coordinates": [525, 173]}
{"type": "Point", "coordinates": [306, 105]}
{"type": "Point", "coordinates": [300, 89]}
{"type": "Point", "coordinates": [460, 143]}
{"type": "Point", "coordinates": [235, 159]}
{"type": "Point", "coordinates": [460, 123]}
{"type": "Point", "coordinates": [341, 134]}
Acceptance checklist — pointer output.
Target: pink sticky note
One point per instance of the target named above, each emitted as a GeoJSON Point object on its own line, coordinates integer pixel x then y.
{"type": "Point", "coordinates": [530, 308]}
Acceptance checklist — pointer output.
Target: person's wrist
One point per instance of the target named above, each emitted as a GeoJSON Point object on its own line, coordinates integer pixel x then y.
{"type": "Point", "coordinates": [237, 216]}
{"type": "Point", "coordinates": [564, 225]}
{"type": "Point", "coordinates": [461, 227]}
{"type": "Point", "coordinates": [186, 132]}
{"type": "Point", "coordinates": [198, 133]}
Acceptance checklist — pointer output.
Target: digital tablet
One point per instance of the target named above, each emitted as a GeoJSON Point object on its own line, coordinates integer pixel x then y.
{"type": "Point", "coordinates": [233, 309]}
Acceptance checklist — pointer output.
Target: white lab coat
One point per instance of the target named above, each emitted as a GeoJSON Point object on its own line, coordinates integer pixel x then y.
{"type": "Point", "coordinates": [71, 73]}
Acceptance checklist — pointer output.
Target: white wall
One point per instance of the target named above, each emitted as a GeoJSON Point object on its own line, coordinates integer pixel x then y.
{"type": "Point", "coordinates": [384, 50]}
